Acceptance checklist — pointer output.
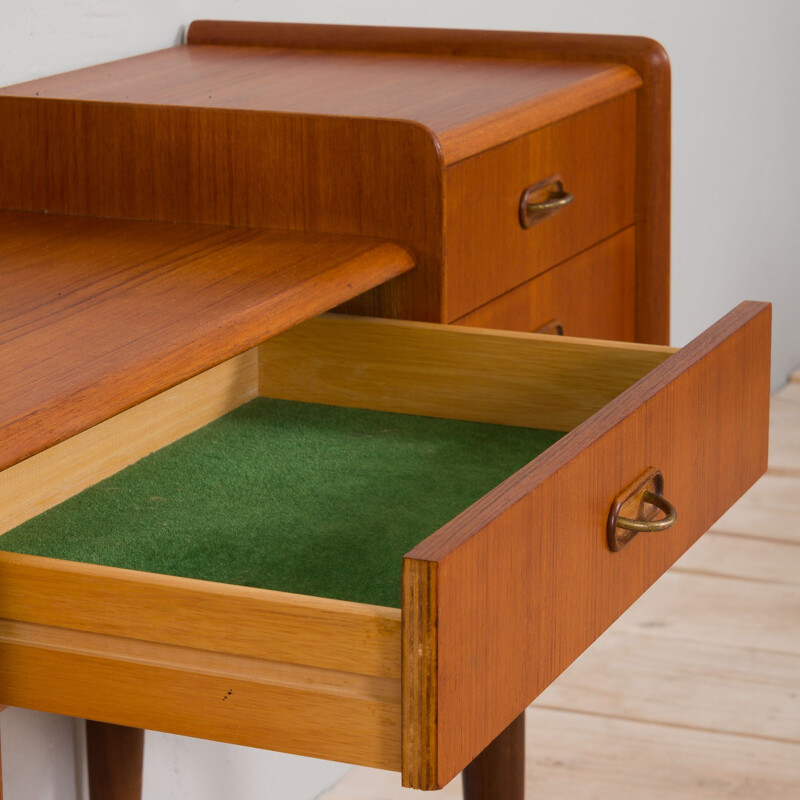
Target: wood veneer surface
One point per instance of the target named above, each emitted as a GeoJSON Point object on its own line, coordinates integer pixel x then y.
{"type": "Point", "coordinates": [98, 315]}
{"type": "Point", "coordinates": [644, 55]}
{"type": "Point", "coordinates": [489, 251]}
{"type": "Point", "coordinates": [376, 176]}
{"type": "Point", "coordinates": [450, 95]}
{"type": "Point", "coordinates": [602, 308]}
{"type": "Point", "coordinates": [115, 755]}
{"type": "Point", "coordinates": [499, 602]}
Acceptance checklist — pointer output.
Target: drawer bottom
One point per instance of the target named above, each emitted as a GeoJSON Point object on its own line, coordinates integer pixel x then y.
{"type": "Point", "coordinates": [290, 496]}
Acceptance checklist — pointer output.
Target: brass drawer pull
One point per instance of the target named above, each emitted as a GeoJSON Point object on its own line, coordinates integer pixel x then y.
{"type": "Point", "coordinates": [646, 525]}
{"type": "Point", "coordinates": [542, 200]}
{"type": "Point", "coordinates": [634, 510]}
{"type": "Point", "coordinates": [553, 327]}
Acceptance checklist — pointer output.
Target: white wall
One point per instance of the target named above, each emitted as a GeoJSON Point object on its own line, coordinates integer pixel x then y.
{"type": "Point", "coordinates": [736, 231]}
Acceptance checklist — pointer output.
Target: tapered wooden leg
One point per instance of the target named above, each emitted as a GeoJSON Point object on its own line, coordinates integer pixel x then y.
{"type": "Point", "coordinates": [1, 769]}
{"type": "Point", "coordinates": [115, 755]}
{"type": "Point", "coordinates": [498, 773]}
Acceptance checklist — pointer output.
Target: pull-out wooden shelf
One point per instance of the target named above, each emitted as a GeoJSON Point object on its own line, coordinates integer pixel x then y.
{"type": "Point", "coordinates": [97, 315]}
{"type": "Point", "coordinates": [495, 604]}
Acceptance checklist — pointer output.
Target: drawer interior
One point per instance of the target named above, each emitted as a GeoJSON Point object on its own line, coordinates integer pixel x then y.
{"type": "Point", "coordinates": [312, 464]}
{"type": "Point", "coordinates": [252, 665]}
{"type": "Point", "coordinates": [291, 496]}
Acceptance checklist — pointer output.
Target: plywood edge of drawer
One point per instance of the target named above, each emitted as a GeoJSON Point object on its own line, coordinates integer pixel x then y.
{"type": "Point", "coordinates": [216, 617]}
{"type": "Point", "coordinates": [524, 579]}
{"type": "Point", "coordinates": [242, 700]}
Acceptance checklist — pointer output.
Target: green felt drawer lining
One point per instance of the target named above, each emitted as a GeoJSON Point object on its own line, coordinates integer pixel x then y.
{"type": "Point", "coordinates": [296, 497]}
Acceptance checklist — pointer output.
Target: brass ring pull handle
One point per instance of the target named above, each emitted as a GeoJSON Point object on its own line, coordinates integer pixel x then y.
{"type": "Point", "coordinates": [554, 202]}
{"type": "Point", "coordinates": [542, 200]}
{"type": "Point", "coordinates": [635, 508]}
{"type": "Point", "coordinates": [649, 525]}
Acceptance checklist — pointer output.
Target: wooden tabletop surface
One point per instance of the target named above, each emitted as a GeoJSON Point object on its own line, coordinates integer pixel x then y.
{"type": "Point", "coordinates": [441, 92]}
{"type": "Point", "coordinates": [456, 98]}
{"type": "Point", "coordinates": [97, 315]}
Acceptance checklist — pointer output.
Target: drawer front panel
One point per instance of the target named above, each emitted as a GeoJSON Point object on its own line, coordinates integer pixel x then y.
{"type": "Point", "coordinates": [590, 295]}
{"type": "Point", "coordinates": [504, 598]}
{"type": "Point", "coordinates": [487, 251]}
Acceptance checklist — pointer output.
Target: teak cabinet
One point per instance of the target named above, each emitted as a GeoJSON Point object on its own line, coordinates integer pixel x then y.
{"type": "Point", "coordinates": [174, 225]}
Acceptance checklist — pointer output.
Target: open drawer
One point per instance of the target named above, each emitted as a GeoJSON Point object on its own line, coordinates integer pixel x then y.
{"type": "Point", "coordinates": [494, 604]}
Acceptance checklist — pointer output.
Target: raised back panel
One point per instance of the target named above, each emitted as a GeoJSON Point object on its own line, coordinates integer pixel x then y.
{"type": "Point", "coordinates": [218, 166]}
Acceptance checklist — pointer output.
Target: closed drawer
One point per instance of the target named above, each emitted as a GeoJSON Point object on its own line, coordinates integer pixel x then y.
{"type": "Point", "coordinates": [592, 294]}
{"type": "Point", "coordinates": [487, 251]}
{"type": "Point", "coordinates": [495, 603]}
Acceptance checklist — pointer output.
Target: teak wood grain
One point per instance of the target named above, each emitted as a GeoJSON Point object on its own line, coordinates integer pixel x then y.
{"type": "Point", "coordinates": [524, 580]}
{"type": "Point", "coordinates": [141, 139]}
{"type": "Point", "coordinates": [98, 315]}
{"type": "Point", "coordinates": [114, 755]}
{"type": "Point", "coordinates": [469, 104]}
{"type": "Point", "coordinates": [489, 251]}
{"type": "Point", "coordinates": [128, 144]}
{"type": "Point", "coordinates": [653, 114]}
{"type": "Point", "coordinates": [606, 276]}
{"type": "Point", "coordinates": [218, 166]}
{"type": "Point", "coordinates": [476, 593]}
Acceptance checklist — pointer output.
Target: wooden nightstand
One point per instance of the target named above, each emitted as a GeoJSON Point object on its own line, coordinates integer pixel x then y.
{"type": "Point", "coordinates": [170, 213]}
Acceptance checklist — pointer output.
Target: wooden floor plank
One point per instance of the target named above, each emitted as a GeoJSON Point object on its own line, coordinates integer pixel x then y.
{"type": "Point", "coordinates": [746, 558]}
{"type": "Point", "coordinates": [721, 611]}
{"type": "Point", "coordinates": [647, 677]}
{"type": "Point", "coordinates": [784, 434]}
{"type": "Point", "coordinates": [790, 392]}
{"type": "Point", "coordinates": [770, 510]}
{"type": "Point", "coordinates": [573, 756]}
{"type": "Point", "coordinates": [582, 758]}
